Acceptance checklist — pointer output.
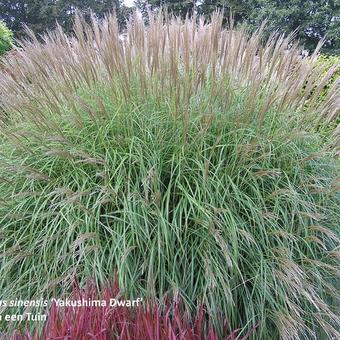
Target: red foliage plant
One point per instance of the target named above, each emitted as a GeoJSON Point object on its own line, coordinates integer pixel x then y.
{"type": "Point", "coordinates": [144, 321]}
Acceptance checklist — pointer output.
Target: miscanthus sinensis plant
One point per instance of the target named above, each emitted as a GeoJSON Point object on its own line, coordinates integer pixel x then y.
{"type": "Point", "coordinates": [180, 155]}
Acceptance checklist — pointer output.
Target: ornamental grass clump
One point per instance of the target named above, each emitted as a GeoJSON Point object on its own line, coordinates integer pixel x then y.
{"type": "Point", "coordinates": [181, 155]}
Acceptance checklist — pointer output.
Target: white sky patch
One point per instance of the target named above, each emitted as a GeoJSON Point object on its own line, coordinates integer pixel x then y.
{"type": "Point", "coordinates": [129, 3]}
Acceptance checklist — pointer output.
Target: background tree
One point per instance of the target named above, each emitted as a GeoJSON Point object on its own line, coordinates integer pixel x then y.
{"type": "Point", "coordinates": [180, 8]}
{"type": "Point", "coordinates": [6, 38]}
{"type": "Point", "coordinates": [312, 19]}
{"type": "Point", "coordinates": [40, 15]}
{"type": "Point", "coordinates": [241, 9]}
{"type": "Point", "coordinates": [98, 7]}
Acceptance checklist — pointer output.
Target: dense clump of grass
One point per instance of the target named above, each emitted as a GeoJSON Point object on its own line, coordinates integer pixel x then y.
{"type": "Point", "coordinates": [180, 155]}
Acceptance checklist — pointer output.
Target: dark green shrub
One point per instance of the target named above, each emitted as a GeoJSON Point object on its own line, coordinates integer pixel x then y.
{"type": "Point", "coordinates": [6, 38]}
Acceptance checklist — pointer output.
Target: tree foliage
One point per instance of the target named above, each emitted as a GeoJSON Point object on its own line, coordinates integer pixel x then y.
{"type": "Point", "coordinates": [241, 9]}
{"type": "Point", "coordinates": [6, 38]}
{"type": "Point", "coordinates": [312, 19]}
{"type": "Point", "coordinates": [180, 8]}
{"type": "Point", "coordinates": [41, 15]}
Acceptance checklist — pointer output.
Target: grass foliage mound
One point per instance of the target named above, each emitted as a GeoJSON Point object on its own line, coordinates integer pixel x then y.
{"type": "Point", "coordinates": [180, 155]}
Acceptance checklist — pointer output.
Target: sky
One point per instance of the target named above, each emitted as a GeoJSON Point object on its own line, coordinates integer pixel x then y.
{"type": "Point", "coordinates": [129, 3]}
